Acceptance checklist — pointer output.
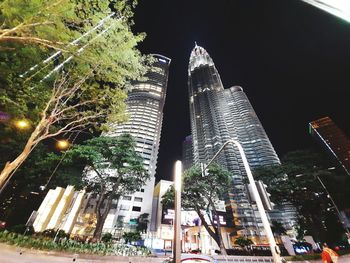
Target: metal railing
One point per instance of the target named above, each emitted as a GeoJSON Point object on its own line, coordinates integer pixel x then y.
{"type": "Point", "coordinates": [244, 259]}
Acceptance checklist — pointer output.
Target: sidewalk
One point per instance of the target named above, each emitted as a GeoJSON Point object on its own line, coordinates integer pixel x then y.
{"type": "Point", "coordinates": [13, 254]}
{"type": "Point", "coordinates": [342, 259]}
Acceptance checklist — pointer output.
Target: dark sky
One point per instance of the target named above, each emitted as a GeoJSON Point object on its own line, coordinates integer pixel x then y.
{"type": "Point", "coordinates": [292, 60]}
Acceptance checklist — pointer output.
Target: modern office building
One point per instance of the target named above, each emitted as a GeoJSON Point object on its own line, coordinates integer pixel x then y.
{"type": "Point", "coordinates": [333, 139]}
{"type": "Point", "coordinates": [145, 104]}
{"type": "Point", "coordinates": [217, 115]}
{"type": "Point", "coordinates": [187, 152]}
{"type": "Point", "coordinates": [59, 209]}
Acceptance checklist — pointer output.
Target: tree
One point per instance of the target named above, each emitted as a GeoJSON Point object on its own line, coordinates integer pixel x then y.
{"type": "Point", "coordinates": [278, 228]}
{"type": "Point", "coordinates": [22, 194]}
{"type": "Point", "coordinates": [29, 24]}
{"type": "Point", "coordinates": [296, 181]}
{"type": "Point", "coordinates": [95, 90]}
{"type": "Point", "coordinates": [243, 242]}
{"type": "Point", "coordinates": [142, 223]}
{"type": "Point", "coordinates": [200, 194]}
{"type": "Point", "coordinates": [113, 169]}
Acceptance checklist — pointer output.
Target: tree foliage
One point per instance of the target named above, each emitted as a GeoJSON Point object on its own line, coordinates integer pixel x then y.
{"type": "Point", "coordinates": [142, 223]}
{"type": "Point", "coordinates": [101, 66]}
{"type": "Point", "coordinates": [296, 181]}
{"type": "Point", "coordinates": [278, 228]}
{"type": "Point", "coordinates": [113, 169]}
{"type": "Point", "coordinates": [131, 237]}
{"type": "Point", "coordinates": [201, 193]}
{"type": "Point", "coordinates": [114, 52]}
{"type": "Point", "coordinates": [23, 195]}
{"type": "Point", "coordinates": [243, 242]}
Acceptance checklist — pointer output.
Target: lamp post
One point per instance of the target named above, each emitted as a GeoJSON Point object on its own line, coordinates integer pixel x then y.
{"type": "Point", "coordinates": [273, 246]}
{"type": "Point", "coordinates": [331, 199]}
{"type": "Point", "coordinates": [177, 223]}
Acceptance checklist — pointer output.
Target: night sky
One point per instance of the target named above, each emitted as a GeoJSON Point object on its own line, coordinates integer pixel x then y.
{"type": "Point", "coordinates": [292, 60]}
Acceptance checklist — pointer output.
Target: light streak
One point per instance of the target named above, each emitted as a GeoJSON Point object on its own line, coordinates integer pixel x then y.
{"type": "Point", "coordinates": [339, 8]}
{"type": "Point", "coordinates": [73, 43]}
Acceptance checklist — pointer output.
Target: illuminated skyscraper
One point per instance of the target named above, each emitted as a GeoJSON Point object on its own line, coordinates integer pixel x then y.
{"type": "Point", "coordinates": [145, 104]}
{"type": "Point", "coordinates": [334, 140]}
{"type": "Point", "coordinates": [187, 152]}
{"type": "Point", "coordinates": [217, 115]}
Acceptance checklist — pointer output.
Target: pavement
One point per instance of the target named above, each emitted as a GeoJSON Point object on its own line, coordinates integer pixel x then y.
{"type": "Point", "coordinates": [12, 254]}
{"type": "Point", "coordinates": [342, 259]}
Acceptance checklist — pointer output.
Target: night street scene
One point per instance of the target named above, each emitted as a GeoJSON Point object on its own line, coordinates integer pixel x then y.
{"type": "Point", "coordinates": [175, 131]}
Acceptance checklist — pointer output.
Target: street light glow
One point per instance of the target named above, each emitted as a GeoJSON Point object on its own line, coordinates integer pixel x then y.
{"type": "Point", "coordinates": [22, 124]}
{"type": "Point", "coordinates": [178, 172]}
{"type": "Point", "coordinates": [62, 144]}
{"type": "Point", "coordinates": [339, 8]}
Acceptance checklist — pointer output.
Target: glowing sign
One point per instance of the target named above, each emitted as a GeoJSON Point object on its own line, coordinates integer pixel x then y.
{"type": "Point", "coordinates": [339, 8]}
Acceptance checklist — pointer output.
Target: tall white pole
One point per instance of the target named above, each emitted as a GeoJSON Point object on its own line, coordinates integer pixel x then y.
{"type": "Point", "coordinates": [273, 246]}
{"type": "Point", "coordinates": [177, 223]}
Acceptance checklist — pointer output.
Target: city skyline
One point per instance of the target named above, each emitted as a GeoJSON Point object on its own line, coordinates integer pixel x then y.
{"type": "Point", "coordinates": [194, 129]}
{"type": "Point", "coordinates": [290, 70]}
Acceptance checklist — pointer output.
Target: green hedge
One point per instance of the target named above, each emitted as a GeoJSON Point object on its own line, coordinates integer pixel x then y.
{"type": "Point", "coordinates": [67, 245]}
{"type": "Point", "coordinates": [305, 257]}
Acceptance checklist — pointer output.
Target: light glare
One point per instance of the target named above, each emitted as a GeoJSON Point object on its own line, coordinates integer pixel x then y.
{"type": "Point", "coordinates": [22, 124]}
{"type": "Point", "coordinates": [178, 173]}
{"type": "Point", "coordinates": [62, 144]}
{"type": "Point", "coordinates": [339, 8]}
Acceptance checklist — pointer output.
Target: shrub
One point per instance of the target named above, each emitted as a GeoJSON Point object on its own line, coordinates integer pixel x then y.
{"type": "Point", "coordinates": [43, 243]}
{"type": "Point", "coordinates": [107, 237]}
{"type": "Point", "coordinates": [49, 233]}
{"type": "Point", "coordinates": [305, 257]}
{"type": "Point", "coordinates": [131, 236]}
{"type": "Point", "coordinates": [19, 229]}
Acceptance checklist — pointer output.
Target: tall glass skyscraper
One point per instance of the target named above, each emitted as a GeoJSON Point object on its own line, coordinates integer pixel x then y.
{"type": "Point", "coordinates": [145, 104]}
{"type": "Point", "coordinates": [334, 140]}
{"type": "Point", "coordinates": [217, 115]}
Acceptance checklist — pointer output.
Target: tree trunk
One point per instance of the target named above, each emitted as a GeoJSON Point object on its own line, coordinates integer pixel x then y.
{"type": "Point", "coordinates": [101, 217]}
{"type": "Point", "coordinates": [10, 167]}
{"type": "Point", "coordinates": [222, 246]}
{"type": "Point", "coordinates": [216, 235]}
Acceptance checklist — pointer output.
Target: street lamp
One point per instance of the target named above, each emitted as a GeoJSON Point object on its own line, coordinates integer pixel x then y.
{"type": "Point", "coordinates": [177, 223]}
{"type": "Point", "coordinates": [331, 199]}
{"type": "Point", "coordinates": [274, 248]}
{"type": "Point", "coordinates": [22, 124]}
